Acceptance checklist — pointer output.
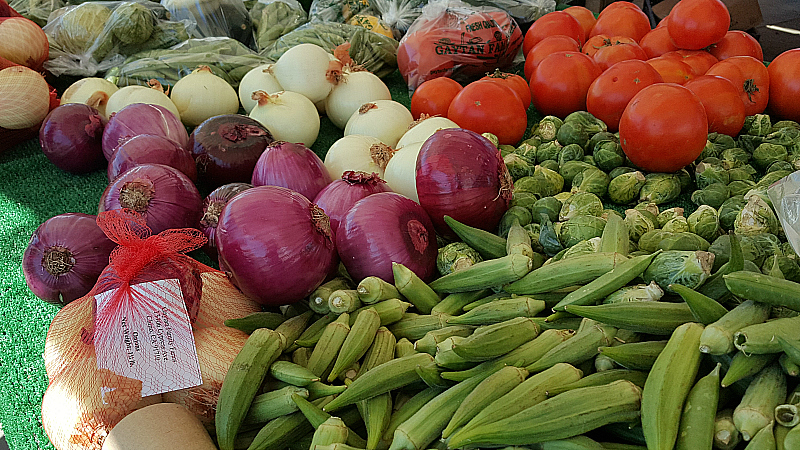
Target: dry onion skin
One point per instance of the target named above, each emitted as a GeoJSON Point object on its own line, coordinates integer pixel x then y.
{"type": "Point", "coordinates": [24, 96]}
{"type": "Point", "coordinates": [92, 91]}
{"type": "Point", "coordinates": [220, 301]}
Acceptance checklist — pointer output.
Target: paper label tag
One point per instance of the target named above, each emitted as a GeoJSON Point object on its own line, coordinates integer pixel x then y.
{"type": "Point", "coordinates": [151, 342]}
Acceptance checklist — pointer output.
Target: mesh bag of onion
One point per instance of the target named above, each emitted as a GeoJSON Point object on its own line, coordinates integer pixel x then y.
{"type": "Point", "coordinates": [87, 395]}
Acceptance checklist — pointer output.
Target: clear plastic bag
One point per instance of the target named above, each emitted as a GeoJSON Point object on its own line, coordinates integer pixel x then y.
{"type": "Point", "coordinates": [37, 10]}
{"type": "Point", "coordinates": [275, 18]}
{"type": "Point", "coordinates": [398, 15]}
{"type": "Point", "coordinates": [91, 37]}
{"type": "Point", "coordinates": [785, 197]}
{"type": "Point", "coordinates": [215, 18]}
{"type": "Point", "coordinates": [523, 11]}
{"type": "Point", "coordinates": [338, 10]}
{"type": "Point", "coordinates": [456, 40]}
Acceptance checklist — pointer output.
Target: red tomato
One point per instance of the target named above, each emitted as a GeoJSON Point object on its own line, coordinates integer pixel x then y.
{"type": "Point", "coordinates": [612, 54]}
{"type": "Point", "coordinates": [784, 85]}
{"type": "Point", "coordinates": [615, 87]}
{"type": "Point", "coordinates": [663, 128]}
{"type": "Point", "coordinates": [617, 5]}
{"type": "Point", "coordinates": [694, 24]}
{"type": "Point", "coordinates": [752, 84]}
{"type": "Point", "coordinates": [560, 82]}
{"type": "Point", "coordinates": [657, 42]}
{"type": "Point", "coordinates": [584, 16]}
{"type": "Point", "coordinates": [485, 106]}
{"type": "Point", "coordinates": [699, 60]}
{"type": "Point", "coordinates": [623, 21]}
{"type": "Point", "coordinates": [595, 43]}
{"type": "Point", "coordinates": [724, 108]}
{"type": "Point", "coordinates": [514, 82]}
{"type": "Point", "coordinates": [433, 97]}
{"type": "Point", "coordinates": [556, 22]}
{"type": "Point", "coordinates": [663, 22]}
{"type": "Point", "coordinates": [737, 43]}
{"type": "Point", "coordinates": [672, 70]}
{"type": "Point", "coordinates": [546, 47]}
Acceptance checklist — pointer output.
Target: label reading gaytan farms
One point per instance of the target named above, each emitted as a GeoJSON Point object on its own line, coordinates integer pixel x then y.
{"type": "Point", "coordinates": [147, 336]}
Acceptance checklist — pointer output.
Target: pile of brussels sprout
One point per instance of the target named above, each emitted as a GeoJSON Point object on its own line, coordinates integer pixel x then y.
{"type": "Point", "coordinates": [571, 174]}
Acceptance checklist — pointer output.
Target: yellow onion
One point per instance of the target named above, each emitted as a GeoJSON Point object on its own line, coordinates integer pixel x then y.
{"type": "Point", "coordinates": [221, 300]}
{"type": "Point", "coordinates": [24, 96]}
{"type": "Point", "coordinates": [24, 42]}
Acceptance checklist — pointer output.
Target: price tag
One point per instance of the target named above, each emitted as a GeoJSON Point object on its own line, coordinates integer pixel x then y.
{"type": "Point", "coordinates": [148, 337]}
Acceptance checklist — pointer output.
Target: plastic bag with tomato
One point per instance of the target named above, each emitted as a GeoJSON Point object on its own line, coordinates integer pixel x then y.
{"type": "Point", "coordinates": [453, 39]}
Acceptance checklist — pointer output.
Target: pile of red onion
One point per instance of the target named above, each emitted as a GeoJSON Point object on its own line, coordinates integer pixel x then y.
{"type": "Point", "coordinates": [339, 196]}
{"type": "Point", "coordinates": [150, 149]}
{"type": "Point", "coordinates": [212, 208]}
{"type": "Point", "coordinates": [142, 118]}
{"type": "Point", "coordinates": [71, 137]}
{"type": "Point", "coordinates": [292, 166]}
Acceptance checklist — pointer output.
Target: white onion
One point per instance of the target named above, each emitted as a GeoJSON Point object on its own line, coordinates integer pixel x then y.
{"type": "Point", "coordinates": [201, 95]}
{"type": "Point", "coordinates": [24, 98]}
{"type": "Point", "coordinates": [387, 120]}
{"type": "Point", "coordinates": [353, 90]}
{"type": "Point", "coordinates": [92, 91]}
{"type": "Point", "coordinates": [304, 69]}
{"type": "Point", "coordinates": [289, 116]}
{"type": "Point", "coordinates": [140, 94]}
{"type": "Point", "coordinates": [260, 78]}
{"type": "Point", "coordinates": [359, 153]}
{"type": "Point", "coordinates": [401, 172]}
{"type": "Point", "coordinates": [422, 129]}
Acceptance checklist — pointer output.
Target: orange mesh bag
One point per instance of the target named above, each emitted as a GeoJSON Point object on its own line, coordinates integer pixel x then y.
{"type": "Point", "coordinates": [87, 396]}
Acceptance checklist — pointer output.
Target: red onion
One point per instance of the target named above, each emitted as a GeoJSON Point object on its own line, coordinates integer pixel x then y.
{"type": "Point", "coordinates": [227, 147]}
{"type": "Point", "coordinates": [64, 257]}
{"type": "Point", "coordinates": [339, 196]}
{"type": "Point", "coordinates": [461, 174]}
{"type": "Point", "coordinates": [384, 228]}
{"type": "Point", "coordinates": [142, 118]}
{"type": "Point", "coordinates": [292, 166]}
{"type": "Point", "coordinates": [150, 149]}
{"type": "Point", "coordinates": [166, 197]}
{"type": "Point", "coordinates": [276, 244]}
{"type": "Point", "coordinates": [212, 208]}
{"type": "Point", "coordinates": [71, 137]}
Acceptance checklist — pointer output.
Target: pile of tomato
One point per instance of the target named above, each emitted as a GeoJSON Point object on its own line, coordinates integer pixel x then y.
{"type": "Point", "coordinates": [661, 88]}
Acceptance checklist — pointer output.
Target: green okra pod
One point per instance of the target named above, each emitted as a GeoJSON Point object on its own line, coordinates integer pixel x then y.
{"type": "Point", "coordinates": [791, 439]}
{"type": "Point", "coordinates": [414, 289]}
{"type": "Point", "coordinates": [292, 373]}
{"type": "Point", "coordinates": [318, 300]}
{"type": "Point", "coordinates": [696, 431]}
{"type": "Point", "coordinates": [292, 328]}
{"type": "Point", "coordinates": [615, 237]}
{"type": "Point", "coordinates": [491, 341]}
{"type": "Point", "coordinates": [564, 273]}
{"type": "Point", "coordinates": [344, 301]}
{"type": "Point", "coordinates": [717, 338]}
{"type": "Point", "coordinates": [764, 439]}
{"type": "Point", "coordinates": [790, 347]}
{"type": "Point", "coordinates": [404, 347]}
{"type": "Point", "coordinates": [789, 367]}
{"type": "Point", "coordinates": [715, 286]}
{"type": "Point", "coordinates": [726, 435]}
{"type": "Point", "coordinates": [485, 274]}
{"type": "Point", "coordinates": [314, 415]}
{"type": "Point", "coordinates": [757, 407]}
{"type": "Point", "coordinates": [760, 338]}
{"type": "Point", "coordinates": [574, 443]}
{"type": "Point", "coordinates": [744, 365]}
{"type": "Point", "coordinates": [787, 415]}
{"type": "Point", "coordinates": [634, 355]}
{"type": "Point", "coordinates": [780, 432]}
{"type": "Point", "coordinates": [432, 338]}
{"type": "Point", "coordinates": [414, 326]}
{"type": "Point", "coordinates": [301, 355]}
{"type": "Point", "coordinates": [390, 311]}
{"type": "Point", "coordinates": [318, 389]}
{"type": "Point", "coordinates": [269, 405]}
{"type": "Point", "coordinates": [660, 318]}
{"type": "Point", "coordinates": [311, 335]}
{"type": "Point", "coordinates": [453, 303]}
{"type": "Point", "coordinates": [376, 412]}
{"type": "Point", "coordinates": [281, 431]}
{"type": "Point", "coordinates": [374, 289]}
{"type": "Point", "coordinates": [408, 409]}
{"type": "Point", "coordinates": [764, 288]}
{"type": "Point", "coordinates": [357, 342]}
{"type": "Point", "coordinates": [579, 348]}
{"type": "Point", "coordinates": [499, 311]}
{"type": "Point", "coordinates": [381, 350]}
{"type": "Point", "coordinates": [446, 357]}
{"type": "Point", "coordinates": [332, 431]}
{"type": "Point", "coordinates": [636, 377]}
{"type": "Point", "coordinates": [327, 348]}
{"type": "Point", "coordinates": [431, 374]}
{"type": "Point", "coordinates": [251, 322]}
{"type": "Point", "coordinates": [518, 241]}
{"type": "Point", "coordinates": [562, 323]}
{"type": "Point", "coordinates": [705, 309]}
{"type": "Point", "coordinates": [488, 244]}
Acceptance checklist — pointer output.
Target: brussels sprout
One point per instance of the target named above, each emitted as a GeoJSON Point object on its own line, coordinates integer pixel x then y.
{"type": "Point", "coordinates": [649, 241]}
{"type": "Point", "coordinates": [735, 157]}
{"type": "Point", "coordinates": [755, 218]}
{"type": "Point", "coordinates": [572, 168]}
{"type": "Point", "coordinates": [684, 240]}
{"type": "Point", "coordinates": [660, 188]}
{"type": "Point", "coordinates": [600, 138]}
{"type": "Point", "coordinates": [573, 133]}
{"type": "Point", "coordinates": [795, 161]}
{"type": "Point", "coordinates": [685, 179]}
{"type": "Point", "coordinates": [608, 155]}
{"type": "Point", "coordinates": [592, 180]}
{"type": "Point", "coordinates": [754, 248]}
{"type": "Point", "coordinates": [533, 230]}
{"type": "Point", "coordinates": [456, 256]}
{"type": "Point", "coordinates": [589, 159]}
{"type": "Point", "coordinates": [729, 210]}
{"type": "Point", "coordinates": [548, 238]}
{"type": "Point", "coordinates": [552, 180]}
{"type": "Point", "coordinates": [81, 26]}
{"type": "Point", "coordinates": [550, 164]}
{"type": "Point", "coordinates": [649, 208]}
{"type": "Point", "coordinates": [639, 293]}
{"type": "Point", "coordinates": [787, 266]}
{"type": "Point", "coordinates": [547, 128]}
{"type": "Point", "coordinates": [715, 145]}
{"type": "Point", "coordinates": [676, 225]}
{"type": "Point", "coordinates": [771, 177]}
{"type": "Point", "coordinates": [492, 138]}
{"type": "Point", "coordinates": [766, 244]}
{"type": "Point", "coordinates": [580, 228]}
{"type": "Point", "coordinates": [614, 173]}
{"type": "Point", "coordinates": [639, 223]}
{"type": "Point", "coordinates": [689, 268]}
{"type": "Point", "coordinates": [713, 195]}
{"type": "Point", "coordinates": [132, 23]}
{"type": "Point", "coordinates": [788, 250]}
{"type": "Point", "coordinates": [740, 187]}
{"type": "Point", "coordinates": [785, 124]}
{"type": "Point", "coordinates": [570, 152]}
{"type": "Point", "coordinates": [506, 149]}
{"type": "Point", "coordinates": [743, 173]}
{"type": "Point", "coordinates": [710, 150]}
{"type": "Point", "coordinates": [588, 121]}
{"type": "Point", "coordinates": [668, 214]}
{"type": "Point", "coordinates": [563, 196]}
{"type": "Point", "coordinates": [581, 204]}
{"type": "Point", "coordinates": [582, 248]}
{"type": "Point", "coordinates": [547, 151]}
{"type": "Point", "coordinates": [527, 151]}
{"type": "Point", "coordinates": [524, 199]}
{"type": "Point", "coordinates": [519, 213]}
{"type": "Point", "coordinates": [706, 173]}
{"type": "Point", "coordinates": [518, 166]}
{"type": "Point", "coordinates": [704, 222]}
{"type": "Point", "coordinates": [608, 211]}
{"type": "Point", "coordinates": [549, 206]}
{"type": "Point", "coordinates": [784, 166]}
{"type": "Point", "coordinates": [766, 154]}
{"type": "Point", "coordinates": [626, 187]}
{"type": "Point", "coordinates": [757, 125]}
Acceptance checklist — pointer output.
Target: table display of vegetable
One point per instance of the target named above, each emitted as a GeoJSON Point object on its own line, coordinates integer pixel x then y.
{"type": "Point", "coordinates": [585, 250]}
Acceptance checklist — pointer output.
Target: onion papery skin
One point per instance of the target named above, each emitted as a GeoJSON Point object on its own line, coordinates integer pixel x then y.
{"type": "Point", "coordinates": [212, 208]}
{"type": "Point", "coordinates": [142, 118]}
{"type": "Point", "coordinates": [166, 197]}
{"type": "Point", "coordinates": [65, 256]}
{"type": "Point", "coordinates": [150, 149]}
{"type": "Point", "coordinates": [339, 196]}
{"type": "Point", "coordinates": [71, 138]}
{"type": "Point", "coordinates": [276, 245]}
{"type": "Point", "coordinates": [461, 174]}
{"type": "Point", "coordinates": [293, 166]}
{"type": "Point", "coordinates": [384, 228]}
{"type": "Point", "coordinates": [227, 147]}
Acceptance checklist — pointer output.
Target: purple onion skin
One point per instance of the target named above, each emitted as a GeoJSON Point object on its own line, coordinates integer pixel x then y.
{"type": "Point", "coordinates": [142, 118]}
{"type": "Point", "coordinates": [276, 245]}
{"type": "Point", "coordinates": [227, 147]}
{"type": "Point", "coordinates": [460, 174]}
{"type": "Point", "coordinates": [65, 256]}
{"type": "Point", "coordinates": [167, 198]}
{"type": "Point", "coordinates": [150, 149]}
{"type": "Point", "coordinates": [212, 208]}
{"type": "Point", "coordinates": [71, 138]}
{"type": "Point", "coordinates": [384, 228]}
{"type": "Point", "coordinates": [340, 195]}
{"type": "Point", "coordinates": [293, 166]}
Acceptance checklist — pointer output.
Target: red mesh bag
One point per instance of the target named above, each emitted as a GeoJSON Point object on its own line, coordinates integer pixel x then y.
{"type": "Point", "coordinates": [83, 402]}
